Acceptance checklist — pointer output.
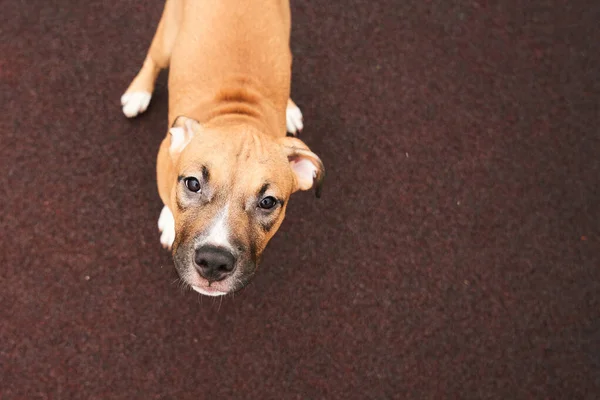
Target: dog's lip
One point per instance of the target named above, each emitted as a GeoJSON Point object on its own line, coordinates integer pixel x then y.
{"type": "Point", "coordinates": [208, 291]}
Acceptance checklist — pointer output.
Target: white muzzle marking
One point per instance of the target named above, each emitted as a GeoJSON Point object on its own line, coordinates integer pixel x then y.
{"type": "Point", "coordinates": [218, 235]}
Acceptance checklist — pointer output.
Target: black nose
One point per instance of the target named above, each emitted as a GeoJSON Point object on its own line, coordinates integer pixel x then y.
{"type": "Point", "coordinates": [214, 263]}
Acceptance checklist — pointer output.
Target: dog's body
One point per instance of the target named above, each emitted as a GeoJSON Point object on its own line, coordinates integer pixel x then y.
{"type": "Point", "coordinates": [226, 169]}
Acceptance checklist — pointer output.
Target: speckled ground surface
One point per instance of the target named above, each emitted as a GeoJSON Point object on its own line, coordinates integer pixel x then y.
{"type": "Point", "coordinates": [455, 253]}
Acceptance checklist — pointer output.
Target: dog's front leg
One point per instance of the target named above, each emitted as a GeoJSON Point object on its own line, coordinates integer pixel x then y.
{"type": "Point", "coordinates": [137, 97]}
{"type": "Point", "coordinates": [293, 118]}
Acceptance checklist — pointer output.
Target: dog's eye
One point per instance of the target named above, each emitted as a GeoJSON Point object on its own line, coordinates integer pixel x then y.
{"type": "Point", "coordinates": [267, 203]}
{"type": "Point", "coordinates": [192, 184]}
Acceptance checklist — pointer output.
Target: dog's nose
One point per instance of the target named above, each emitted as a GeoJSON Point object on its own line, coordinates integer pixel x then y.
{"type": "Point", "coordinates": [214, 263]}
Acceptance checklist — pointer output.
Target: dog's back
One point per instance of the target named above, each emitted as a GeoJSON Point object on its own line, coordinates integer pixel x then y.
{"type": "Point", "coordinates": [228, 54]}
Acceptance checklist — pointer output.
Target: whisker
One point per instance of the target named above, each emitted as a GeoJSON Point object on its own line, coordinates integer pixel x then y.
{"type": "Point", "coordinates": [220, 302]}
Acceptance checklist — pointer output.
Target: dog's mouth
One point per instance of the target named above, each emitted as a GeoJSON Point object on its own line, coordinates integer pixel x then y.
{"type": "Point", "coordinates": [208, 291]}
{"type": "Point", "coordinates": [219, 288]}
{"type": "Point", "coordinates": [201, 285]}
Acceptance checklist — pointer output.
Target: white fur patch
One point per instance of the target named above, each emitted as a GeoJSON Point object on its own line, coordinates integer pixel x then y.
{"type": "Point", "coordinates": [207, 293]}
{"type": "Point", "coordinates": [219, 232]}
{"type": "Point", "coordinates": [166, 225]}
{"type": "Point", "coordinates": [135, 103]}
{"type": "Point", "coordinates": [293, 118]}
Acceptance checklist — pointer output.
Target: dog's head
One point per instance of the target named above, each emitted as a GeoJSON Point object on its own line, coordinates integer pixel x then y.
{"type": "Point", "coordinates": [232, 190]}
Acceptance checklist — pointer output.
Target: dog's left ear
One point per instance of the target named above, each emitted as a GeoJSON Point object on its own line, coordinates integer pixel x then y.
{"type": "Point", "coordinates": [182, 132]}
{"type": "Point", "coordinates": [306, 165]}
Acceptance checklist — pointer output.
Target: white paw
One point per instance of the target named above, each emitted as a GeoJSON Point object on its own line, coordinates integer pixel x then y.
{"type": "Point", "coordinates": [166, 225]}
{"type": "Point", "coordinates": [293, 118]}
{"type": "Point", "coordinates": [135, 103]}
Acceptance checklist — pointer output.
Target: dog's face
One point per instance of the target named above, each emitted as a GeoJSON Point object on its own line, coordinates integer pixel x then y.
{"type": "Point", "coordinates": [233, 186]}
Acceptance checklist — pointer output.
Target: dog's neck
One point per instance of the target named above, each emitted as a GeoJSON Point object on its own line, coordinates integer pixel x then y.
{"type": "Point", "coordinates": [236, 120]}
{"type": "Point", "coordinates": [238, 100]}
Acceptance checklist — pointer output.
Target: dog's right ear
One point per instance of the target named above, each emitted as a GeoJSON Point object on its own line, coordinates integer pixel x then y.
{"type": "Point", "coordinates": [182, 132]}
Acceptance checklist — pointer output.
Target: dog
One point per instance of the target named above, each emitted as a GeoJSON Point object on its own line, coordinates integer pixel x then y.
{"type": "Point", "coordinates": [226, 168]}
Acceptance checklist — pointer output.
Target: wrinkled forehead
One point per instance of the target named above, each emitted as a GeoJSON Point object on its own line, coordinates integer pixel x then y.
{"type": "Point", "coordinates": [238, 159]}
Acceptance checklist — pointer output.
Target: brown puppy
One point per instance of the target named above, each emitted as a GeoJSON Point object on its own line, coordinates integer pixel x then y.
{"type": "Point", "coordinates": [226, 168]}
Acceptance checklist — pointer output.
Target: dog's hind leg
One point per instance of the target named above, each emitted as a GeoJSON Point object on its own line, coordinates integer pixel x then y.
{"type": "Point", "coordinates": [136, 98]}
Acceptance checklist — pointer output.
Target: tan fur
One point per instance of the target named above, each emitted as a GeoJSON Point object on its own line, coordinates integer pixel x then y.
{"type": "Point", "coordinates": [229, 77]}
